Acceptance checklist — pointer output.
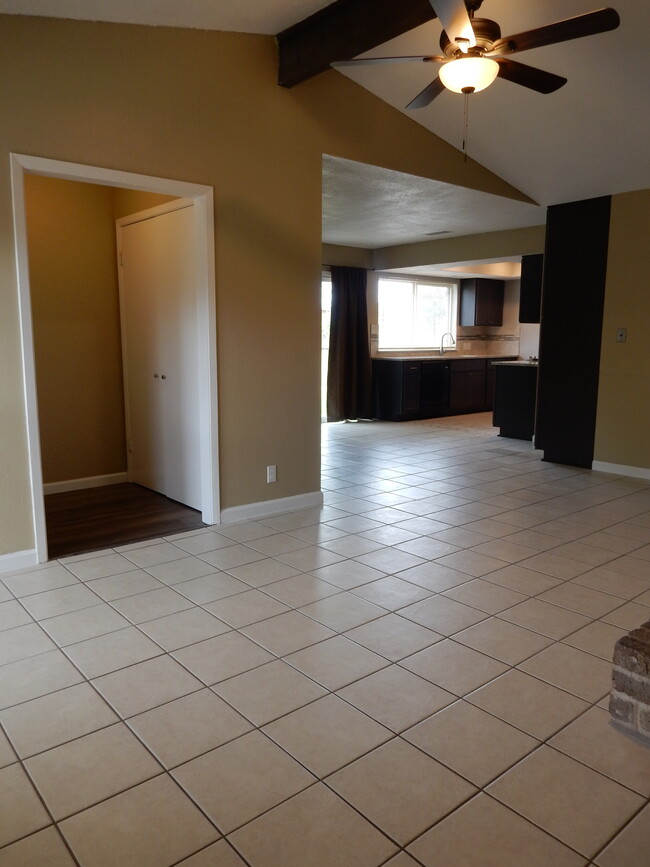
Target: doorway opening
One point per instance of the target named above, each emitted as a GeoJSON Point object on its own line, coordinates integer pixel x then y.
{"type": "Point", "coordinates": [201, 201]}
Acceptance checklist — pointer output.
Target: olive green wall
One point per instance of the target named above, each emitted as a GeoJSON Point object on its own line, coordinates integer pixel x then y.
{"type": "Point", "coordinates": [203, 107]}
{"type": "Point", "coordinates": [623, 418]}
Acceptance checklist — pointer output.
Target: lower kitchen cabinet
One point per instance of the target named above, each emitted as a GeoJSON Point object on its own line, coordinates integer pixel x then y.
{"type": "Point", "coordinates": [405, 389]}
{"type": "Point", "coordinates": [396, 389]}
{"type": "Point", "coordinates": [490, 376]}
{"type": "Point", "coordinates": [514, 400]}
{"type": "Point", "coordinates": [411, 387]}
{"type": "Point", "coordinates": [434, 389]}
{"type": "Point", "coordinates": [467, 391]}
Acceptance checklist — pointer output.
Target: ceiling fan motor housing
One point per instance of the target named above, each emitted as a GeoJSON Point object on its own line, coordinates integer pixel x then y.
{"type": "Point", "coordinates": [486, 32]}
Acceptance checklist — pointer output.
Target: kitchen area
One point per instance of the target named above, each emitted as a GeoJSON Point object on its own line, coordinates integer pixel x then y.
{"type": "Point", "coordinates": [491, 364]}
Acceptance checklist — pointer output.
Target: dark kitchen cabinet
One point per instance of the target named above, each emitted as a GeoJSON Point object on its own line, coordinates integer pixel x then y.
{"type": "Point", "coordinates": [481, 302]}
{"type": "Point", "coordinates": [530, 292]}
{"type": "Point", "coordinates": [405, 389]}
{"type": "Point", "coordinates": [396, 389]}
{"type": "Point", "coordinates": [467, 387]}
{"type": "Point", "coordinates": [514, 400]}
{"type": "Point", "coordinates": [490, 379]}
{"type": "Point", "coordinates": [434, 389]}
{"type": "Point", "coordinates": [411, 382]}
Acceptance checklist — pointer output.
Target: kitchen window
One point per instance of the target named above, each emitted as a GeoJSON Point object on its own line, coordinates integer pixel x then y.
{"type": "Point", "coordinates": [415, 313]}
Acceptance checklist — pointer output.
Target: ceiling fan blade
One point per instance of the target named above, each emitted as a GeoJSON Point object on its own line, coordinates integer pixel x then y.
{"type": "Point", "coordinates": [455, 20]}
{"type": "Point", "coordinates": [528, 76]}
{"type": "Point", "coordinates": [561, 31]}
{"type": "Point", "coordinates": [426, 97]}
{"type": "Point", "coordinates": [371, 61]}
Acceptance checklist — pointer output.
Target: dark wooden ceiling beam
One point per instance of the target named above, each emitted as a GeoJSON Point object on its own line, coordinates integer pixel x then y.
{"type": "Point", "coordinates": [342, 30]}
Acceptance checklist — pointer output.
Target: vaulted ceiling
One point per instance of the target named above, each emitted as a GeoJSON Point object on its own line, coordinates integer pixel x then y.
{"type": "Point", "coordinates": [589, 138]}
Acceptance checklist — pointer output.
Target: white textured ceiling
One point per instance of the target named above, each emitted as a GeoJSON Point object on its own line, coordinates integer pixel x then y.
{"type": "Point", "coordinates": [242, 16]}
{"type": "Point", "coordinates": [590, 138]}
{"type": "Point", "coordinates": [365, 206]}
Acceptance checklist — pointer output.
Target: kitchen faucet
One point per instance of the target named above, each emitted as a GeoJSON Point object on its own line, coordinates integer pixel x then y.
{"type": "Point", "coordinates": [442, 342]}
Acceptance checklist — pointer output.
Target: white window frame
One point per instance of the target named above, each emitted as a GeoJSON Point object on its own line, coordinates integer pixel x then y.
{"type": "Point", "coordinates": [416, 281]}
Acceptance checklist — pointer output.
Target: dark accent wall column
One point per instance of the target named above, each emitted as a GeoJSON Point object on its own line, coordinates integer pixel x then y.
{"type": "Point", "coordinates": [573, 295]}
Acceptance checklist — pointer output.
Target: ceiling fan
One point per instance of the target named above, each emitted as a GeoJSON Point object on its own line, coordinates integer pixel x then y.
{"type": "Point", "coordinates": [474, 50]}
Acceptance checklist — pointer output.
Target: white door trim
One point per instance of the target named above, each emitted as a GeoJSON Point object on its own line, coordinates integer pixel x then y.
{"type": "Point", "coordinates": [203, 199]}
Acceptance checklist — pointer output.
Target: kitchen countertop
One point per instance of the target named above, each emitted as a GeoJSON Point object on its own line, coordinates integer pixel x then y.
{"type": "Point", "coordinates": [450, 357]}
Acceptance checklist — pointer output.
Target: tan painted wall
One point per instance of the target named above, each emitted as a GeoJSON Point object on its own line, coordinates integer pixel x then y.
{"type": "Point", "coordinates": [76, 316]}
{"type": "Point", "coordinates": [127, 202]}
{"type": "Point", "coordinates": [623, 418]}
{"type": "Point", "coordinates": [351, 257]}
{"type": "Point", "coordinates": [466, 248]}
{"type": "Point", "coordinates": [204, 107]}
{"type": "Point", "coordinates": [75, 311]}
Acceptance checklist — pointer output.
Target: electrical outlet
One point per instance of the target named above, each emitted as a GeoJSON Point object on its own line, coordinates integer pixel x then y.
{"type": "Point", "coordinates": [271, 474]}
{"type": "Point", "coordinates": [621, 335]}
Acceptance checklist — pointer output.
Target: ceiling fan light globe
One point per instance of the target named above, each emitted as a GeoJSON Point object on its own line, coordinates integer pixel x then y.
{"type": "Point", "coordinates": [469, 74]}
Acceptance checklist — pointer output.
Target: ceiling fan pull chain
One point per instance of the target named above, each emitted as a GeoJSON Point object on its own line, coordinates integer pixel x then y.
{"type": "Point", "coordinates": [466, 126]}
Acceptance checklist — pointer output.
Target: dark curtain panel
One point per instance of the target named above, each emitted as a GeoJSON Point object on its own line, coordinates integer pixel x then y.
{"type": "Point", "coordinates": [349, 389]}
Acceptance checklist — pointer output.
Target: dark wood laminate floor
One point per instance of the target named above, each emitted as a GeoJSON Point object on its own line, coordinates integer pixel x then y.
{"type": "Point", "coordinates": [95, 518]}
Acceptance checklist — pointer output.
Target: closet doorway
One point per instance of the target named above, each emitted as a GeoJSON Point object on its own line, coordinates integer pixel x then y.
{"type": "Point", "coordinates": [160, 357]}
{"type": "Point", "coordinates": [200, 207]}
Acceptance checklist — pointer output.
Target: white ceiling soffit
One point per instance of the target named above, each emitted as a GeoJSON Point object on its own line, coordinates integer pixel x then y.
{"type": "Point", "coordinates": [242, 16]}
{"type": "Point", "coordinates": [588, 139]}
{"type": "Point", "coordinates": [510, 269]}
{"type": "Point", "coordinates": [371, 207]}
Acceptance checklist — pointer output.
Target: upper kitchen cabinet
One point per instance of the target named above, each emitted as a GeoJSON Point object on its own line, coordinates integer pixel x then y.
{"type": "Point", "coordinates": [530, 297]}
{"type": "Point", "coordinates": [481, 302]}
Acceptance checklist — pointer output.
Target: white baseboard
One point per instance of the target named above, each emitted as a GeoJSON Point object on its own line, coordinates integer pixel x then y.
{"type": "Point", "coordinates": [252, 511]}
{"type": "Point", "coordinates": [17, 560]}
{"type": "Point", "coordinates": [621, 470]}
{"type": "Point", "coordinates": [87, 482]}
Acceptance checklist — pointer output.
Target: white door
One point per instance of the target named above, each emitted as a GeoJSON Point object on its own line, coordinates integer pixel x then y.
{"type": "Point", "coordinates": [160, 348]}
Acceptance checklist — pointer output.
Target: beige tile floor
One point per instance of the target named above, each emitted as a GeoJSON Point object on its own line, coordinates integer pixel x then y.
{"type": "Point", "coordinates": [416, 674]}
